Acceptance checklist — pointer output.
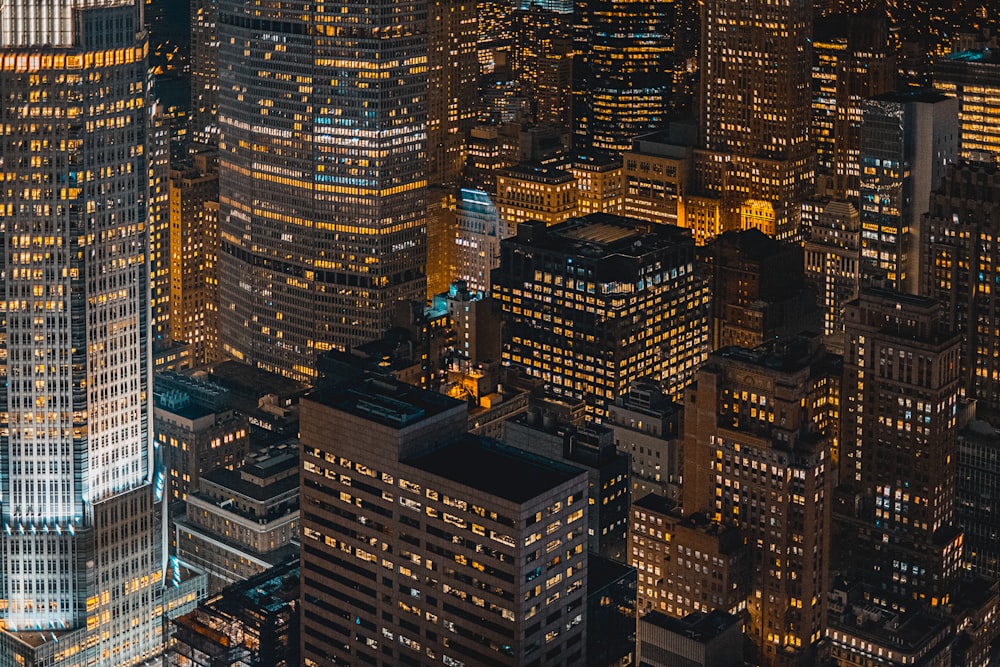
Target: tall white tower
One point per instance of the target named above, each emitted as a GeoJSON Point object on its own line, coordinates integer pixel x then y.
{"type": "Point", "coordinates": [79, 555]}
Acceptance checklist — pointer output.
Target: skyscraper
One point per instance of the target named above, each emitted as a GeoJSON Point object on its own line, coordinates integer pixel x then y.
{"type": "Point", "coordinates": [321, 175]}
{"type": "Point", "coordinates": [78, 544]}
{"type": "Point", "coordinates": [760, 430]}
{"type": "Point", "coordinates": [202, 125]}
{"type": "Point", "coordinates": [633, 70]}
{"type": "Point", "coordinates": [756, 109]}
{"type": "Point", "coordinates": [961, 246]}
{"type": "Point", "coordinates": [418, 550]}
{"type": "Point", "coordinates": [593, 303]}
{"type": "Point", "coordinates": [899, 435]}
{"type": "Point", "coordinates": [907, 142]}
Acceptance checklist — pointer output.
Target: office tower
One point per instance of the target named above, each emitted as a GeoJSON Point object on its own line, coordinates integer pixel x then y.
{"type": "Point", "coordinates": [197, 430]}
{"type": "Point", "coordinates": [833, 266]}
{"type": "Point", "coordinates": [977, 503]}
{"type": "Point", "coordinates": [442, 232]}
{"type": "Point", "coordinates": [899, 432]}
{"type": "Point", "coordinates": [757, 287]}
{"type": "Point", "coordinates": [647, 427]}
{"type": "Point", "coordinates": [194, 196]}
{"type": "Point", "coordinates": [760, 436]}
{"type": "Point", "coordinates": [657, 174]}
{"type": "Point", "coordinates": [239, 522]}
{"type": "Point", "coordinates": [80, 550]}
{"type": "Point", "coordinates": [863, 633]}
{"type": "Point", "coordinates": [907, 142]}
{"type": "Point", "coordinates": [202, 121]}
{"type": "Point", "coordinates": [697, 640]}
{"type": "Point", "coordinates": [321, 209]}
{"type": "Point", "coordinates": [598, 182]}
{"type": "Point", "coordinates": [852, 61]}
{"type": "Point", "coordinates": [417, 548]}
{"type": "Point", "coordinates": [452, 76]}
{"type": "Point", "coordinates": [974, 78]}
{"type": "Point", "coordinates": [632, 69]}
{"type": "Point", "coordinates": [594, 303]}
{"type": "Point", "coordinates": [531, 191]}
{"type": "Point", "coordinates": [496, 35]}
{"type": "Point", "coordinates": [686, 563]}
{"type": "Point", "coordinates": [477, 331]}
{"type": "Point", "coordinates": [755, 110]}
{"type": "Point", "coordinates": [480, 230]}
{"type": "Point", "coordinates": [590, 447]}
{"type": "Point", "coordinates": [542, 63]}
{"type": "Point", "coordinates": [611, 591]}
{"type": "Point", "coordinates": [159, 228]}
{"type": "Point", "coordinates": [253, 623]}
{"type": "Point", "coordinates": [961, 232]}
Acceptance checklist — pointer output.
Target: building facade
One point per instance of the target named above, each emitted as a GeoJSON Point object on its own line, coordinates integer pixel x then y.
{"type": "Point", "coordinates": [907, 142]}
{"type": "Point", "coordinates": [596, 302]}
{"type": "Point", "coordinates": [760, 436]}
{"type": "Point", "coordinates": [80, 547]}
{"type": "Point", "coordinates": [417, 549]}
{"type": "Point", "coordinates": [972, 77]}
{"type": "Point", "coordinates": [961, 245]}
{"type": "Point", "coordinates": [755, 110]}
{"type": "Point", "coordinates": [322, 158]}
{"type": "Point", "coordinates": [832, 262]}
{"type": "Point", "coordinates": [899, 433]}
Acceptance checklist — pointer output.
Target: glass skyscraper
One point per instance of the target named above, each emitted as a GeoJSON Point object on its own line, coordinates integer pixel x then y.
{"type": "Point", "coordinates": [78, 540]}
{"type": "Point", "coordinates": [322, 114]}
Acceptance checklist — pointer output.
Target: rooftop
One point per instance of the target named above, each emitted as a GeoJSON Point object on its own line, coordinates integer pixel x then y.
{"type": "Point", "coordinates": [601, 235]}
{"type": "Point", "coordinates": [494, 468]}
{"type": "Point", "coordinates": [537, 172]}
{"type": "Point", "coordinates": [386, 402]}
{"type": "Point", "coordinates": [700, 627]}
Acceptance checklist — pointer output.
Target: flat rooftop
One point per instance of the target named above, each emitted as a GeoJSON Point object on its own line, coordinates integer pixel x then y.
{"type": "Point", "coordinates": [601, 235]}
{"type": "Point", "coordinates": [386, 402]}
{"type": "Point", "coordinates": [492, 467]}
{"type": "Point", "coordinates": [700, 627]}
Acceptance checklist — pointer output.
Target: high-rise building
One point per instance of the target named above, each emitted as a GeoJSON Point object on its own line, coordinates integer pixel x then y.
{"type": "Point", "coordinates": [529, 191]}
{"type": "Point", "coordinates": [647, 427]}
{"type": "Point", "coordinates": [899, 433]}
{"type": "Point", "coordinates": [197, 430]}
{"type": "Point", "coordinates": [159, 228]}
{"type": "Point", "coordinates": [757, 287]}
{"type": "Point", "coordinates": [755, 110]}
{"type": "Point", "coordinates": [417, 548]}
{"type": "Point", "coordinates": [686, 563]}
{"type": "Point", "coordinates": [442, 231]}
{"type": "Point", "coordinates": [656, 176]}
{"type": "Point", "coordinates": [598, 182]}
{"type": "Point", "coordinates": [322, 163]}
{"type": "Point", "coordinates": [833, 266]}
{"type": "Point", "coordinates": [907, 142]}
{"type": "Point", "coordinates": [633, 70]}
{"type": "Point", "coordinates": [202, 121]}
{"type": "Point", "coordinates": [80, 548]}
{"type": "Point", "coordinates": [542, 64]}
{"type": "Point", "coordinates": [255, 622]}
{"type": "Point", "coordinates": [480, 230]}
{"type": "Point", "coordinates": [194, 197]}
{"type": "Point", "coordinates": [974, 78]}
{"type": "Point", "coordinates": [961, 245]}
{"type": "Point", "coordinates": [596, 302]}
{"type": "Point", "coordinates": [240, 522]}
{"type": "Point", "coordinates": [452, 76]}
{"type": "Point", "coordinates": [590, 447]}
{"type": "Point", "coordinates": [852, 61]}
{"type": "Point", "coordinates": [760, 434]}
